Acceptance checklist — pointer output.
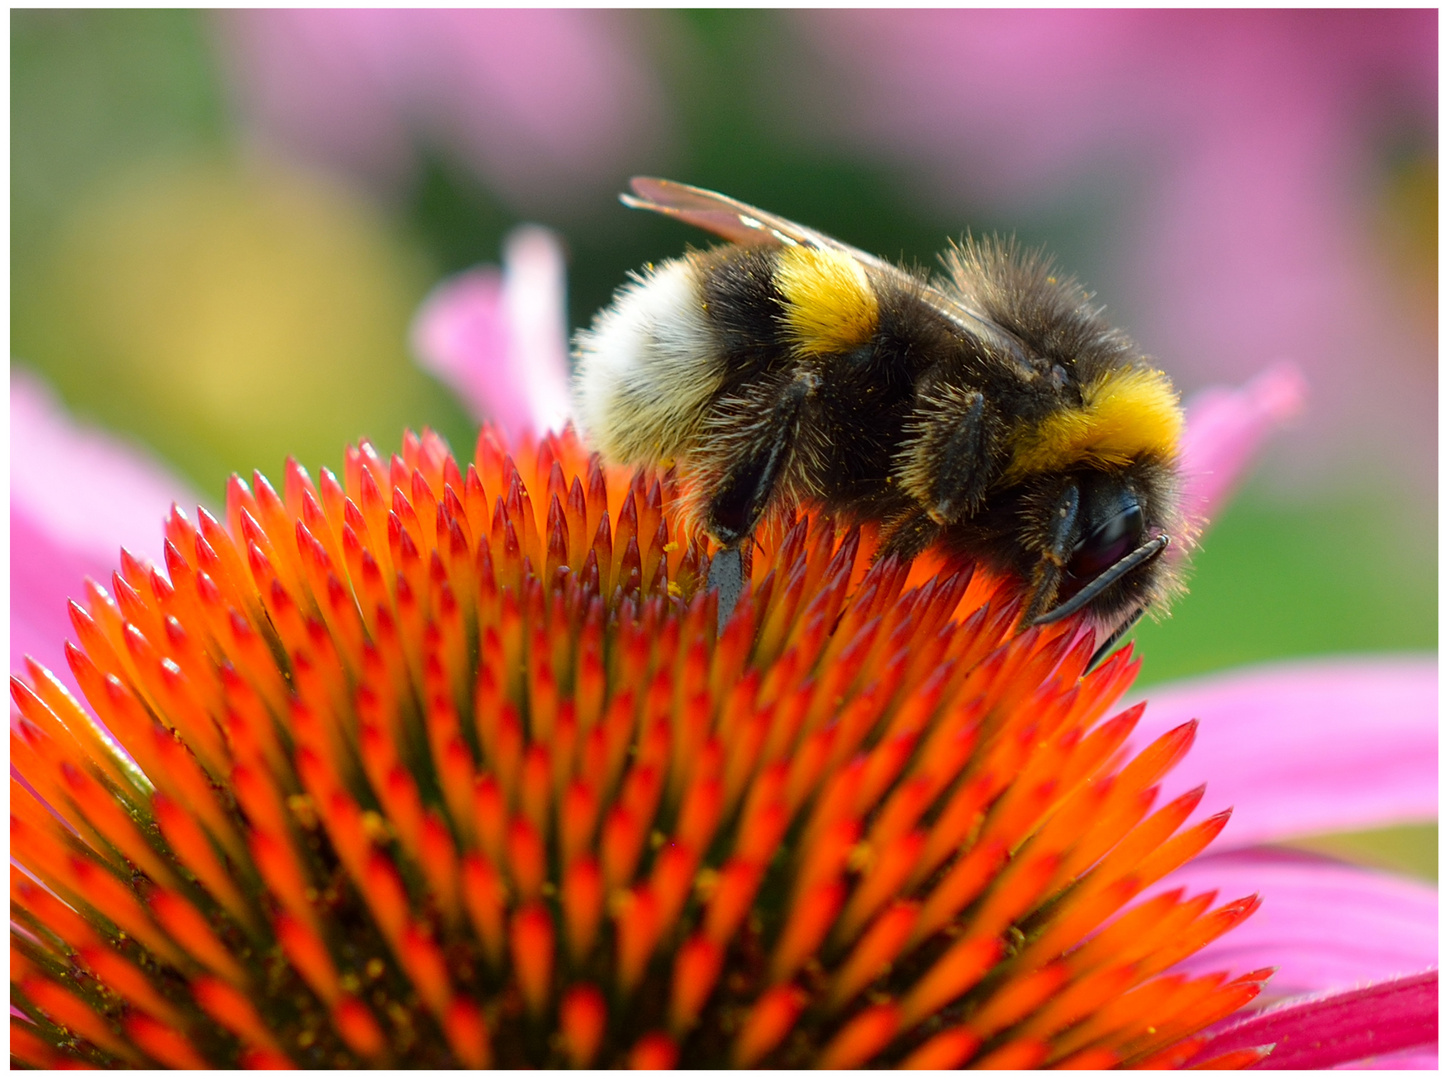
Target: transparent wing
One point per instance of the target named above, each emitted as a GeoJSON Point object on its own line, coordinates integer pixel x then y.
{"type": "Point", "coordinates": [737, 222]}
{"type": "Point", "coordinates": [740, 223]}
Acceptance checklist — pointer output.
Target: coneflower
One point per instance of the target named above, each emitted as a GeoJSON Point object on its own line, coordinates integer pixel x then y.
{"type": "Point", "coordinates": [427, 767]}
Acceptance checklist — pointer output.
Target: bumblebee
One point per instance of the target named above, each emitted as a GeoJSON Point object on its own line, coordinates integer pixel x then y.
{"type": "Point", "coordinates": [991, 411]}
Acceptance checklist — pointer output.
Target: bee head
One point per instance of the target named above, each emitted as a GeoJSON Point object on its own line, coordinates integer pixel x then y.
{"type": "Point", "coordinates": [1095, 538]}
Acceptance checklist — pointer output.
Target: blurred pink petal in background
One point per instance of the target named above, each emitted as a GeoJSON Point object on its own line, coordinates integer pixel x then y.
{"type": "Point", "coordinates": [77, 496]}
{"type": "Point", "coordinates": [1323, 924]}
{"type": "Point", "coordinates": [1226, 427]}
{"type": "Point", "coordinates": [1423, 1057]}
{"type": "Point", "coordinates": [499, 340]}
{"type": "Point", "coordinates": [1300, 750]}
{"type": "Point", "coordinates": [543, 105]}
{"type": "Point", "coordinates": [1307, 747]}
{"type": "Point", "coordinates": [1241, 152]}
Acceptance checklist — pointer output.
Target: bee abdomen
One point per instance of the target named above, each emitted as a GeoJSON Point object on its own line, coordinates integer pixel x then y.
{"type": "Point", "coordinates": [648, 367]}
{"type": "Point", "coordinates": [784, 306]}
{"type": "Point", "coordinates": [829, 304]}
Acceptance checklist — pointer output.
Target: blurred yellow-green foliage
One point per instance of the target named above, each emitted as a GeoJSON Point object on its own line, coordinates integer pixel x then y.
{"type": "Point", "coordinates": [218, 240]}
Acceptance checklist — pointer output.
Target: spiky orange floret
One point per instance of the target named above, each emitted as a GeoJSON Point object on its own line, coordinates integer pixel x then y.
{"type": "Point", "coordinates": [435, 768]}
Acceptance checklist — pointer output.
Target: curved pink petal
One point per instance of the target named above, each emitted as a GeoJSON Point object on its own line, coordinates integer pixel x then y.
{"type": "Point", "coordinates": [460, 334]}
{"type": "Point", "coordinates": [1415, 1058]}
{"type": "Point", "coordinates": [535, 294]}
{"type": "Point", "coordinates": [77, 496]}
{"type": "Point", "coordinates": [43, 574]}
{"type": "Point", "coordinates": [1226, 427]}
{"type": "Point", "coordinates": [499, 339]}
{"type": "Point", "coordinates": [90, 489]}
{"type": "Point", "coordinates": [1323, 924]}
{"type": "Point", "coordinates": [1338, 1028]}
{"type": "Point", "coordinates": [1309, 747]}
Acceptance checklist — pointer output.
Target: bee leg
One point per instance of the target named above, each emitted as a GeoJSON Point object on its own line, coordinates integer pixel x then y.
{"type": "Point", "coordinates": [742, 495]}
{"type": "Point", "coordinates": [960, 460]}
{"type": "Point", "coordinates": [906, 537]}
{"type": "Point", "coordinates": [1060, 538]}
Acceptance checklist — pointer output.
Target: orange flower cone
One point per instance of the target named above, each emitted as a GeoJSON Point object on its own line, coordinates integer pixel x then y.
{"type": "Point", "coordinates": [433, 767]}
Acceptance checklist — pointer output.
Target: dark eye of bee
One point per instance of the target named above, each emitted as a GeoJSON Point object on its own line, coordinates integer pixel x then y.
{"type": "Point", "coordinates": [1116, 526]}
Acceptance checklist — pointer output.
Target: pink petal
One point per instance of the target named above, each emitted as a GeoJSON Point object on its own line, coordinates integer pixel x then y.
{"type": "Point", "coordinates": [1324, 925]}
{"type": "Point", "coordinates": [499, 340]}
{"type": "Point", "coordinates": [1226, 428]}
{"type": "Point", "coordinates": [43, 574]}
{"type": "Point", "coordinates": [1309, 747]}
{"type": "Point", "coordinates": [89, 489]}
{"type": "Point", "coordinates": [1417, 1057]}
{"type": "Point", "coordinates": [1412, 1059]}
{"type": "Point", "coordinates": [534, 293]}
{"type": "Point", "coordinates": [1349, 1026]}
{"type": "Point", "coordinates": [77, 496]}
{"type": "Point", "coordinates": [460, 334]}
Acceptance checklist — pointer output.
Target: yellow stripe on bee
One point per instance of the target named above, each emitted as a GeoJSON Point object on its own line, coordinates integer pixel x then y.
{"type": "Point", "coordinates": [1125, 414]}
{"type": "Point", "coordinates": [829, 305]}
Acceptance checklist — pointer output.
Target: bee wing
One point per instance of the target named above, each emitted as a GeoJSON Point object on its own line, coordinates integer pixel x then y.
{"type": "Point", "coordinates": [740, 223]}
{"type": "Point", "coordinates": [737, 222]}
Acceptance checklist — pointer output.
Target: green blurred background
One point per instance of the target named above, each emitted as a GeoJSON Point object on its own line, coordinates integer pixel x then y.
{"type": "Point", "coordinates": [184, 274]}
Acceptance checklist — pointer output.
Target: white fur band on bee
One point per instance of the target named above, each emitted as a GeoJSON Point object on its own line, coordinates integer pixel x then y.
{"type": "Point", "coordinates": [653, 335]}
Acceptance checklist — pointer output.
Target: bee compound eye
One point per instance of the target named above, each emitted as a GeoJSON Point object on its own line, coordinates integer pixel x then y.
{"type": "Point", "coordinates": [1108, 540]}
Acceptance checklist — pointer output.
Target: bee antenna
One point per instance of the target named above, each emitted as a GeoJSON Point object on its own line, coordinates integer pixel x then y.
{"type": "Point", "coordinates": [1104, 580]}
